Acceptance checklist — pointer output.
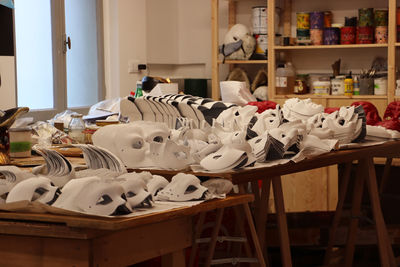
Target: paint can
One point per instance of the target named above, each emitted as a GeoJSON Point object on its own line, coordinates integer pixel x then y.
{"type": "Point", "coordinates": [348, 35]}
{"type": "Point", "coordinates": [380, 86]}
{"type": "Point", "coordinates": [337, 85]}
{"type": "Point", "coordinates": [322, 87]}
{"type": "Point", "coordinates": [316, 36]}
{"type": "Point", "coordinates": [327, 19]}
{"type": "Point", "coordinates": [259, 16]}
{"type": "Point", "coordinates": [262, 44]}
{"type": "Point", "coordinates": [316, 20]}
{"type": "Point", "coordinates": [381, 34]}
{"type": "Point", "coordinates": [366, 17]}
{"type": "Point", "coordinates": [331, 36]}
{"type": "Point", "coordinates": [381, 17]}
{"type": "Point", "coordinates": [303, 20]}
{"type": "Point", "coordinates": [365, 35]}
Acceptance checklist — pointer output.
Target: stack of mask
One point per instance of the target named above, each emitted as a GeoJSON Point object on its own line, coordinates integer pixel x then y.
{"type": "Point", "coordinates": [174, 110]}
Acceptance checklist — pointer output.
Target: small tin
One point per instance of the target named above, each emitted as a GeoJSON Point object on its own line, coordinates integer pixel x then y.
{"type": "Point", "coordinates": [381, 17]}
{"type": "Point", "coordinates": [331, 36]}
{"type": "Point", "coordinates": [365, 35]}
{"type": "Point", "coordinates": [322, 87]}
{"type": "Point", "coordinates": [261, 44]}
{"type": "Point", "coordinates": [381, 34]}
{"type": "Point", "coordinates": [316, 20]}
{"type": "Point", "coordinates": [303, 20]}
{"type": "Point", "coordinates": [316, 36]}
{"type": "Point", "coordinates": [348, 35]}
{"type": "Point", "coordinates": [303, 34]}
{"type": "Point", "coordinates": [259, 17]}
{"type": "Point", "coordinates": [366, 17]}
{"type": "Point", "coordinates": [327, 19]}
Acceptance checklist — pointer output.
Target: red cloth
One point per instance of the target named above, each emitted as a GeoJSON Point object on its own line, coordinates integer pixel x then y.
{"type": "Point", "coordinates": [263, 105]}
{"type": "Point", "coordinates": [371, 112]}
{"type": "Point", "coordinates": [331, 110]}
{"type": "Point", "coordinates": [392, 111]}
{"type": "Point", "coordinates": [390, 124]}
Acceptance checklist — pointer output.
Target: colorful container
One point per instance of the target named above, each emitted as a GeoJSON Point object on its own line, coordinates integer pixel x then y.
{"type": "Point", "coordinates": [327, 19]}
{"type": "Point", "coordinates": [331, 36]}
{"type": "Point", "coordinates": [316, 36]}
{"type": "Point", "coordinates": [381, 17]}
{"type": "Point", "coordinates": [303, 34]}
{"type": "Point", "coordinates": [381, 34]}
{"type": "Point", "coordinates": [348, 35]}
{"type": "Point", "coordinates": [303, 20]}
{"type": "Point", "coordinates": [365, 35]}
{"type": "Point", "coordinates": [366, 17]}
{"type": "Point", "coordinates": [262, 44]}
{"type": "Point", "coordinates": [316, 20]}
{"type": "Point", "coordinates": [322, 87]}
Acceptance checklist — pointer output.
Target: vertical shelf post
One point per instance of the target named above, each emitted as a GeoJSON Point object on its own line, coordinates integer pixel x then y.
{"type": "Point", "coordinates": [271, 49]}
{"type": "Point", "coordinates": [214, 51]}
{"type": "Point", "coordinates": [391, 51]}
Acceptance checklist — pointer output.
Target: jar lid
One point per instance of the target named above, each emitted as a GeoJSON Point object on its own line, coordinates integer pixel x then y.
{"type": "Point", "coordinates": [77, 115]}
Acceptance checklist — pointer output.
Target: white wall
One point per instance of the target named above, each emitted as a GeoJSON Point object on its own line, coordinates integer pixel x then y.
{"type": "Point", "coordinates": [7, 87]}
{"type": "Point", "coordinates": [172, 36]}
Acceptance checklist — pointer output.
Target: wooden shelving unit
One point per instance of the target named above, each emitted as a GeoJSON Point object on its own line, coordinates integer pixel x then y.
{"type": "Point", "coordinates": [329, 100]}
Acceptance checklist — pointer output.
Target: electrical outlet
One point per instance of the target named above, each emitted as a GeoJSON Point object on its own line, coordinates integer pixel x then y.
{"type": "Point", "coordinates": [133, 66]}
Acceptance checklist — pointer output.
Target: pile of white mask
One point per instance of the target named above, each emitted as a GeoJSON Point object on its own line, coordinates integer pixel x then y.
{"type": "Point", "coordinates": [175, 111]}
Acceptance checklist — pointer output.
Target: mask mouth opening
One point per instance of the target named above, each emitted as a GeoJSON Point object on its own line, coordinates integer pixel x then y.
{"type": "Point", "coordinates": [121, 210]}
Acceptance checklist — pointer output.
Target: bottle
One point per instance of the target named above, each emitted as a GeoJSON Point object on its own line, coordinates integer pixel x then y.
{"type": "Point", "coordinates": [356, 86]}
{"type": "Point", "coordinates": [301, 84]}
{"type": "Point", "coordinates": [76, 128]}
{"type": "Point", "coordinates": [348, 85]}
{"type": "Point", "coordinates": [138, 92]}
{"type": "Point", "coordinates": [285, 79]}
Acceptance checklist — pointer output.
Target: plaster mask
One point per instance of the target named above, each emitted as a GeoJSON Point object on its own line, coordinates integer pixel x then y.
{"type": "Point", "coordinates": [93, 195]}
{"type": "Point", "coordinates": [9, 177]}
{"type": "Point", "coordinates": [269, 119]}
{"type": "Point", "coordinates": [226, 158]}
{"type": "Point", "coordinates": [156, 184]}
{"type": "Point", "coordinates": [295, 108]}
{"type": "Point", "coordinates": [39, 189]}
{"type": "Point", "coordinates": [287, 138]}
{"type": "Point", "coordinates": [240, 32]}
{"type": "Point", "coordinates": [135, 190]}
{"type": "Point", "coordinates": [142, 144]}
{"type": "Point", "coordinates": [183, 187]}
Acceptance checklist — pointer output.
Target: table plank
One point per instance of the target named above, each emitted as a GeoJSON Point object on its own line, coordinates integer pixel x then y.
{"type": "Point", "coordinates": [118, 223]}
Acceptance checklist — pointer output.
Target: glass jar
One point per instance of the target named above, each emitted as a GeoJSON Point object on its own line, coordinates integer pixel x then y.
{"type": "Point", "coordinates": [301, 84]}
{"type": "Point", "coordinates": [76, 128]}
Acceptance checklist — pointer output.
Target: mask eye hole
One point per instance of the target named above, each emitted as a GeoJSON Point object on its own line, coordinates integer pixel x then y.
{"type": "Point", "coordinates": [158, 139]}
{"type": "Point", "coordinates": [258, 141]}
{"type": "Point", "coordinates": [190, 189]}
{"type": "Point", "coordinates": [104, 200]}
{"type": "Point", "coordinates": [123, 196]}
{"type": "Point", "coordinates": [138, 144]}
{"type": "Point", "coordinates": [130, 194]}
{"type": "Point", "coordinates": [234, 38]}
{"type": "Point", "coordinates": [38, 193]}
{"type": "Point", "coordinates": [217, 156]}
{"type": "Point", "coordinates": [341, 122]}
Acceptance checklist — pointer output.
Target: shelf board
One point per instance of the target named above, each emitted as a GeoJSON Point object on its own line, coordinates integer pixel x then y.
{"type": "Point", "coordinates": [333, 96]}
{"type": "Point", "coordinates": [301, 47]}
{"type": "Point", "coordinates": [243, 61]}
{"type": "Point", "coordinates": [397, 44]}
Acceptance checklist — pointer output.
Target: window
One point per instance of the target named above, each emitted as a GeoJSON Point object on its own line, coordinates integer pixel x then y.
{"type": "Point", "coordinates": [59, 55]}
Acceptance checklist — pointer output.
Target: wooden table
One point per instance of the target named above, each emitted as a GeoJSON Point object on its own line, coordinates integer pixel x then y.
{"type": "Point", "coordinates": [28, 239]}
{"type": "Point", "coordinates": [365, 175]}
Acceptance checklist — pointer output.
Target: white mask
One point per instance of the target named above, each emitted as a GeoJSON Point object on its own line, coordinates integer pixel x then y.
{"type": "Point", "coordinates": [156, 184]}
{"type": "Point", "coordinates": [135, 190]}
{"type": "Point", "coordinates": [32, 189]}
{"type": "Point", "coordinates": [93, 195]}
{"type": "Point", "coordinates": [183, 187]}
{"type": "Point", "coordinates": [143, 144]}
{"type": "Point", "coordinates": [9, 177]}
